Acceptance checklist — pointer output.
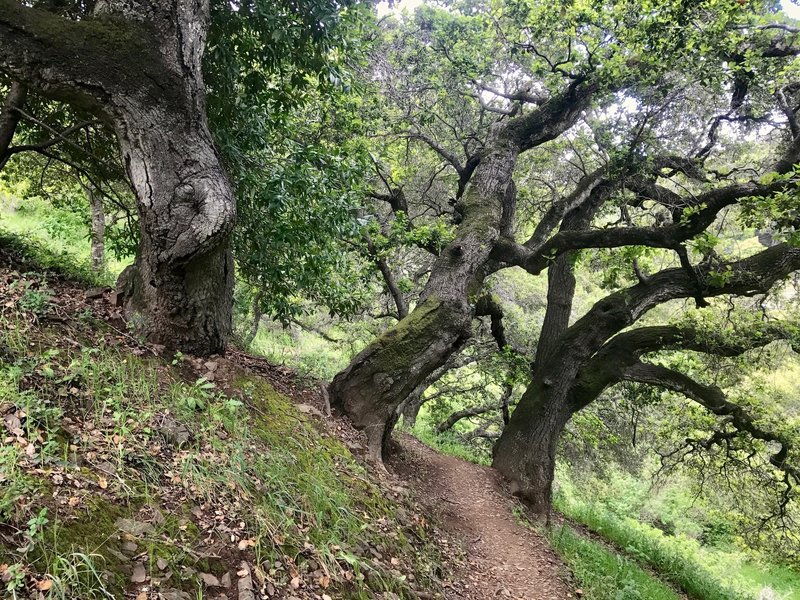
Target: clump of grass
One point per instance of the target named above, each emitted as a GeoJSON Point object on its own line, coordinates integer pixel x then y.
{"type": "Point", "coordinates": [678, 559]}
{"type": "Point", "coordinates": [603, 574]}
{"type": "Point", "coordinates": [295, 502]}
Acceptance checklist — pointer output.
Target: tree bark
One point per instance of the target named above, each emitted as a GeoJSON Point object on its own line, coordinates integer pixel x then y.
{"type": "Point", "coordinates": [98, 235]}
{"type": "Point", "coordinates": [9, 118]}
{"type": "Point", "coordinates": [382, 376]}
{"type": "Point", "coordinates": [140, 70]}
{"type": "Point", "coordinates": [526, 451]}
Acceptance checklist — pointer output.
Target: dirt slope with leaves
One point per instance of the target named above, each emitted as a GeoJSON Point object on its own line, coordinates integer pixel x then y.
{"type": "Point", "coordinates": [125, 473]}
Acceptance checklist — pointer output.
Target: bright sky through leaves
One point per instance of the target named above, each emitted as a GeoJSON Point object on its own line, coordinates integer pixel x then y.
{"type": "Point", "coordinates": [789, 6]}
{"type": "Point", "coordinates": [791, 9]}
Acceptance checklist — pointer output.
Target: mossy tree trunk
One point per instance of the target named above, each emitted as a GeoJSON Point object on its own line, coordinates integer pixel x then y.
{"type": "Point", "coordinates": [138, 67]}
{"type": "Point", "coordinates": [10, 116]}
{"type": "Point", "coordinates": [383, 375]}
{"type": "Point", "coordinates": [581, 360]}
{"type": "Point", "coordinates": [379, 378]}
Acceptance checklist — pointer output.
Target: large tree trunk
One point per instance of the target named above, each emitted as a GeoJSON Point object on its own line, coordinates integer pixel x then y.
{"type": "Point", "coordinates": [140, 70]}
{"type": "Point", "coordinates": [9, 118]}
{"type": "Point", "coordinates": [382, 376]}
{"type": "Point", "coordinates": [526, 451]}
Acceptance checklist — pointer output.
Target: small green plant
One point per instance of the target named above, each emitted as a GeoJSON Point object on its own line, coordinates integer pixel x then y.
{"type": "Point", "coordinates": [35, 527]}
{"type": "Point", "coordinates": [14, 576]}
{"type": "Point", "coordinates": [199, 394]}
{"type": "Point", "coordinates": [34, 300]}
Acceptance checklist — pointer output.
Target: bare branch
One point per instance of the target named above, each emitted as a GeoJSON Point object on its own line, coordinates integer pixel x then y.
{"type": "Point", "coordinates": [713, 399]}
{"type": "Point", "coordinates": [438, 148]}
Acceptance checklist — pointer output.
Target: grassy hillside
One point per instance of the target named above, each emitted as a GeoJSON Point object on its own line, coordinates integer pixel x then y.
{"type": "Point", "coordinates": [124, 473]}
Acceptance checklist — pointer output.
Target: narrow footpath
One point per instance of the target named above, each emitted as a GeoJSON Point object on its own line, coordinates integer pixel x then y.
{"type": "Point", "coordinates": [504, 558]}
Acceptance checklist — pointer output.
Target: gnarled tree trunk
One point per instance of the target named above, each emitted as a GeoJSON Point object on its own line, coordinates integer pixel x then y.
{"type": "Point", "coordinates": [382, 376]}
{"type": "Point", "coordinates": [138, 67]}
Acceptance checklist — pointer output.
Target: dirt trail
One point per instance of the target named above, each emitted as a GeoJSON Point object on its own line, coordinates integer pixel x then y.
{"type": "Point", "coordinates": [505, 560]}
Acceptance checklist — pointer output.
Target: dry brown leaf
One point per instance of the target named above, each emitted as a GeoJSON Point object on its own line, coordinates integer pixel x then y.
{"type": "Point", "coordinates": [142, 596]}
{"type": "Point", "coordinates": [245, 544]}
{"type": "Point", "coordinates": [295, 583]}
{"type": "Point", "coordinates": [44, 585]}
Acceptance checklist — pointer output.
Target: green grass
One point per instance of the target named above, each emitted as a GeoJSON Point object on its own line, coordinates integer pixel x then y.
{"type": "Point", "coordinates": [448, 444]}
{"type": "Point", "coordinates": [39, 255]}
{"type": "Point", "coordinates": [252, 461]}
{"type": "Point", "coordinates": [304, 351]}
{"type": "Point", "coordinates": [59, 238]}
{"type": "Point", "coordinates": [703, 573]}
{"type": "Point", "coordinates": [784, 581]}
{"type": "Point", "coordinates": [603, 574]}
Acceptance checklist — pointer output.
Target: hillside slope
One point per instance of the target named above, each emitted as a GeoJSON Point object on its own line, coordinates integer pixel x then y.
{"type": "Point", "coordinates": [124, 474]}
